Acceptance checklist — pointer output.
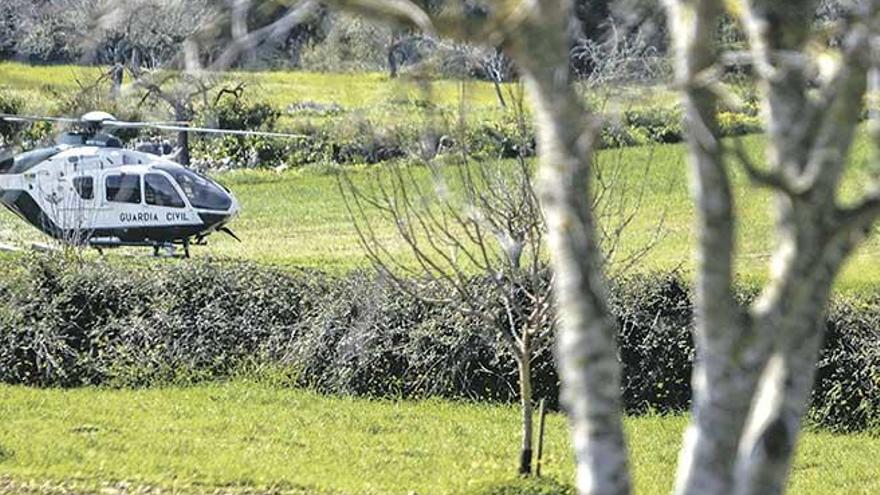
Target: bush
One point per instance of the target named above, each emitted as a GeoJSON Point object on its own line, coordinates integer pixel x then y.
{"type": "Point", "coordinates": [738, 124]}
{"type": "Point", "coordinates": [9, 130]}
{"type": "Point", "coordinates": [359, 140]}
{"type": "Point", "coordinates": [504, 138]}
{"type": "Point", "coordinates": [660, 125]}
{"type": "Point", "coordinates": [65, 323]}
{"type": "Point", "coordinates": [846, 394]}
{"type": "Point", "coordinates": [231, 112]}
{"type": "Point", "coordinates": [656, 349]}
{"type": "Point", "coordinates": [616, 134]}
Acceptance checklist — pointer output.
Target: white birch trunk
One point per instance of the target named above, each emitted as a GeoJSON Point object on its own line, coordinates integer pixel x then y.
{"type": "Point", "coordinates": [726, 371]}
{"type": "Point", "coordinates": [588, 366]}
{"type": "Point", "coordinates": [587, 354]}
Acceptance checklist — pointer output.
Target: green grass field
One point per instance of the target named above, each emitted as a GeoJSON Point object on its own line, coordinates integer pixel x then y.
{"type": "Point", "coordinates": [356, 98]}
{"type": "Point", "coordinates": [298, 218]}
{"type": "Point", "coordinates": [242, 436]}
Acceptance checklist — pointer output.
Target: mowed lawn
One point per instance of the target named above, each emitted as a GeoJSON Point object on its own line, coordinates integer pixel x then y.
{"type": "Point", "coordinates": [242, 436]}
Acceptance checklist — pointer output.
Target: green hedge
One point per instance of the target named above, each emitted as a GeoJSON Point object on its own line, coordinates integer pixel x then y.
{"type": "Point", "coordinates": [67, 323]}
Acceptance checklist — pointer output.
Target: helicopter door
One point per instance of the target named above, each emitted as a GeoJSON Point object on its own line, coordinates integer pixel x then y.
{"type": "Point", "coordinates": [78, 207]}
{"type": "Point", "coordinates": [123, 199]}
{"type": "Point", "coordinates": [75, 197]}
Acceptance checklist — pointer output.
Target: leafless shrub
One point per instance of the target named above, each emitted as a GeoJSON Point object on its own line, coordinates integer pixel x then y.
{"type": "Point", "coordinates": [620, 58]}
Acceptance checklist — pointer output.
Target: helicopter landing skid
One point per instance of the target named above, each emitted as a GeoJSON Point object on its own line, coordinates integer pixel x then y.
{"type": "Point", "coordinates": [171, 250]}
{"type": "Point", "coordinates": [168, 247]}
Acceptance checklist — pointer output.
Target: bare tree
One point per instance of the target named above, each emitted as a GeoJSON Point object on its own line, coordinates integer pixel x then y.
{"type": "Point", "coordinates": [181, 92]}
{"type": "Point", "coordinates": [535, 35]}
{"type": "Point", "coordinates": [620, 58]}
{"type": "Point", "coordinates": [477, 231]}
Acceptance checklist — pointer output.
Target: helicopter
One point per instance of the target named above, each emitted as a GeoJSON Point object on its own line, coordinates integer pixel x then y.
{"type": "Point", "coordinates": [88, 190]}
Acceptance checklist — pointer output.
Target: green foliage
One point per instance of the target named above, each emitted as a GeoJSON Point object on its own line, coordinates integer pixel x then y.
{"type": "Point", "coordinates": [659, 125]}
{"type": "Point", "coordinates": [69, 324]}
{"type": "Point", "coordinates": [656, 349]}
{"type": "Point", "coordinates": [616, 134]}
{"type": "Point", "coordinates": [352, 44]}
{"type": "Point", "coordinates": [354, 119]}
{"type": "Point", "coordinates": [66, 323]}
{"type": "Point", "coordinates": [8, 130]}
{"type": "Point", "coordinates": [846, 395]}
{"type": "Point", "coordinates": [233, 112]}
{"type": "Point", "coordinates": [506, 137]}
{"type": "Point", "coordinates": [738, 124]}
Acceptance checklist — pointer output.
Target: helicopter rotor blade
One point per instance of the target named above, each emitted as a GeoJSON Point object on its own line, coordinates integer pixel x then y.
{"type": "Point", "coordinates": [163, 126]}
{"type": "Point", "coordinates": [204, 130]}
{"type": "Point", "coordinates": [29, 118]}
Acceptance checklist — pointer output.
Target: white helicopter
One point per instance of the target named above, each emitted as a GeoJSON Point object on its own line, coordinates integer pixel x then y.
{"type": "Point", "coordinates": [89, 191]}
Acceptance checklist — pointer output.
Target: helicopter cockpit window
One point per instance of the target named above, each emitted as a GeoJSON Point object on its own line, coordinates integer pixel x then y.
{"type": "Point", "coordinates": [85, 187]}
{"type": "Point", "coordinates": [124, 188]}
{"type": "Point", "coordinates": [201, 192]}
{"type": "Point", "coordinates": [159, 191]}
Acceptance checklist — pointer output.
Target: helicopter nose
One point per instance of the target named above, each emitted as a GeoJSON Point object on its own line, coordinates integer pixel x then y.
{"type": "Point", "coordinates": [235, 208]}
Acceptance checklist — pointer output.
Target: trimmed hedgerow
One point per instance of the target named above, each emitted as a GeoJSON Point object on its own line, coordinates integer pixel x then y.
{"type": "Point", "coordinates": [69, 323]}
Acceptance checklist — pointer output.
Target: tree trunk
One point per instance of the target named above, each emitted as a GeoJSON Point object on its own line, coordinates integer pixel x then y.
{"type": "Point", "coordinates": [587, 350]}
{"type": "Point", "coordinates": [754, 370]}
{"type": "Point", "coordinates": [724, 378]}
{"type": "Point", "coordinates": [795, 304]}
{"type": "Point", "coordinates": [181, 115]}
{"type": "Point", "coordinates": [495, 73]}
{"type": "Point", "coordinates": [525, 395]}
{"type": "Point", "coordinates": [117, 74]}
{"type": "Point", "coordinates": [392, 59]}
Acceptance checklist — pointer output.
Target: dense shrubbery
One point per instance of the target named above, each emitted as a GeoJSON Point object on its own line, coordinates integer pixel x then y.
{"type": "Point", "coordinates": [65, 323]}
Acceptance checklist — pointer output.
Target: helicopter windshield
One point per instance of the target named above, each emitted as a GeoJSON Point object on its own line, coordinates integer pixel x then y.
{"type": "Point", "coordinates": [201, 192]}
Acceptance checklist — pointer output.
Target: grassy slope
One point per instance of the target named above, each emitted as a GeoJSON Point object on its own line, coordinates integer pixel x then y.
{"type": "Point", "coordinates": [248, 435]}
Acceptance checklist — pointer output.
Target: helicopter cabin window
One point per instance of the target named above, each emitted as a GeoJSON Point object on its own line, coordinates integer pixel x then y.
{"type": "Point", "coordinates": [159, 191]}
{"type": "Point", "coordinates": [202, 192]}
{"type": "Point", "coordinates": [123, 188]}
{"type": "Point", "coordinates": [85, 187]}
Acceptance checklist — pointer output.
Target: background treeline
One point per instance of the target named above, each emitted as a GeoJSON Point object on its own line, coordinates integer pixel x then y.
{"type": "Point", "coordinates": [72, 31]}
{"type": "Point", "coordinates": [610, 38]}
{"type": "Point", "coordinates": [67, 323]}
